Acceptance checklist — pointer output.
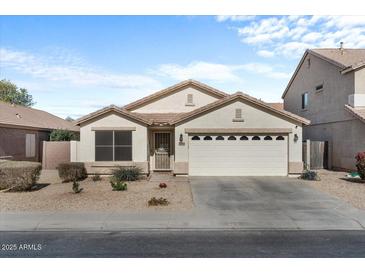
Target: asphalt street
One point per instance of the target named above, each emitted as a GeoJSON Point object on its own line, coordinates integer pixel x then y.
{"type": "Point", "coordinates": [188, 244]}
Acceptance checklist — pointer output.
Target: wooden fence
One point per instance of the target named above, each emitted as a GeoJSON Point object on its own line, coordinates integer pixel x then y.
{"type": "Point", "coordinates": [316, 154]}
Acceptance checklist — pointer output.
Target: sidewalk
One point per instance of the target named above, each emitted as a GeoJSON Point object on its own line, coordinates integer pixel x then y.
{"type": "Point", "coordinates": [193, 220]}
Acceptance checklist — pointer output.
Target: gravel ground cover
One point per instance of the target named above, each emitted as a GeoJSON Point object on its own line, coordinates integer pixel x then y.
{"type": "Point", "coordinates": [335, 183]}
{"type": "Point", "coordinates": [98, 196]}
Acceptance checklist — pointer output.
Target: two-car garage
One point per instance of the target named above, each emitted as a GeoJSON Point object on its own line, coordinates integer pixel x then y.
{"type": "Point", "coordinates": [232, 154]}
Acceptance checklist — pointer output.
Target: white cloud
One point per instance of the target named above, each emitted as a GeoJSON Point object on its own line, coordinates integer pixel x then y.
{"type": "Point", "coordinates": [265, 70]}
{"type": "Point", "coordinates": [265, 53]}
{"type": "Point", "coordinates": [289, 36]}
{"type": "Point", "coordinates": [199, 70]}
{"type": "Point", "coordinates": [217, 72]}
{"type": "Point", "coordinates": [222, 18]}
{"type": "Point", "coordinates": [72, 70]}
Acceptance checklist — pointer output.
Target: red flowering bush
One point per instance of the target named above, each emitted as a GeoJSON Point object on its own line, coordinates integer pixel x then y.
{"type": "Point", "coordinates": [162, 185]}
{"type": "Point", "coordinates": [360, 164]}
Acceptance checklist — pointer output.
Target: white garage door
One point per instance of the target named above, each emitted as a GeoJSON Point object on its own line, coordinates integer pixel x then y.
{"type": "Point", "coordinates": [232, 155]}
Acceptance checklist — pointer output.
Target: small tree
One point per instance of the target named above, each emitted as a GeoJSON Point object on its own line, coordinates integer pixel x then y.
{"type": "Point", "coordinates": [69, 118]}
{"type": "Point", "coordinates": [63, 135]}
{"type": "Point", "coordinates": [10, 93]}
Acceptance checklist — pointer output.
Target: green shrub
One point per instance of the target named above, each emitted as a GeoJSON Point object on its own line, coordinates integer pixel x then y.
{"type": "Point", "coordinates": [126, 174]}
{"type": "Point", "coordinates": [156, 202]}
{"type": "Point", "coordinates": [118, 186]}
{"type": "Point", "coordinates": [310, 175]}
{"type": "Point", "coordinates": [76, 187]}
{"type": "Point", "coordinates": [63, 135]}
{"type": "Point", "coordinates": [360, 164]}
{"type": "Point", "coordinates": [96, 178]}
{"type": "Point", "coordinates": [19, 175]}
{"type": "Point", "coordinates": [70, 172]}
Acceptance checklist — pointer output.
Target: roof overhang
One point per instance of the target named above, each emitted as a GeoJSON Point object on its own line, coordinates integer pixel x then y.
{"type": "Point", "coordinates": [245, 98]}
{"type": "Point", "coordinates": [170, 90]}
{"type": "Point", "coordinates": [238, 130]}
{"type": "Point", "coordinates": [116, 110]}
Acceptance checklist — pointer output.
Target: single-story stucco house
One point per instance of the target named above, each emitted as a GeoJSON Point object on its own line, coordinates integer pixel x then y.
{"type": "Point", "coordinates": [23, 129]}
{"type": "Point", "coordinates": [193, 129]}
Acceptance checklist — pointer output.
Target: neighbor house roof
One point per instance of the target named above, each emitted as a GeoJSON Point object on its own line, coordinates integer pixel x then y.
{"type": "Point", "coordinates": [113, 108]}
{"type": "Point", "coordinates": [278, 106]}
{"type": "Point", "coordinates": [346, 59]}
{"type": "Point", "coordinates": [357, 112]}
{"type": "Point", "coordinates": [242, 96]}
{"type": "Point", "coordinates": [170, 90]}
{"type": "Point", "coordinates": [25, 117]}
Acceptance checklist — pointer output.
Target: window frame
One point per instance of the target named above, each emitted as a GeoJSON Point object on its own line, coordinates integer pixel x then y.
{"type": "Point", "coordinates": [304, 100]}
{"type": "Point", "coordinates": [319, 87]}
{"type": "Point", "coordinates": [114, 146]}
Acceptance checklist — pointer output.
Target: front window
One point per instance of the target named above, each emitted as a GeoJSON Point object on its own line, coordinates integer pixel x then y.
{"type": "Point", "coordinates": [113, 145]}
{"type": "Point", "coordinates": [305, 100]}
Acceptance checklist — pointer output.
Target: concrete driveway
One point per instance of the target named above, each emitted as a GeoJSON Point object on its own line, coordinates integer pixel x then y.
{"type": "Point", "coordinates": [272, 202]}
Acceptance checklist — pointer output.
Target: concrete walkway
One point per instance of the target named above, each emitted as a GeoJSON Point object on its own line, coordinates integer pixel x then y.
{"type": "Point", "coordinates": [221, 203]}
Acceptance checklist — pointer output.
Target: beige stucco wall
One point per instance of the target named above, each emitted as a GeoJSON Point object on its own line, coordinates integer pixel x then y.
{"type": "Point", "coordinates": [222, 118]}
{"type": "Point", "coordinates": [176, 102]}
{"type": "Point", "coordinates": [86, 146]}
{"type": "Point", "coordinates": [327, 105]}
{"type": "Point", "coordinates": [360, 81]}
{"type": "Point", "coordinates": [345, 140]}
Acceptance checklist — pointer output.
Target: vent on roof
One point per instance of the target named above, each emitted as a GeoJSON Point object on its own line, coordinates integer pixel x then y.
{"type": "Point", "coordinates": [18, 116]}
{"type": "Point", "coordinates": [319, 87]}
{"type": "Point", "coordinates": [341, 48]}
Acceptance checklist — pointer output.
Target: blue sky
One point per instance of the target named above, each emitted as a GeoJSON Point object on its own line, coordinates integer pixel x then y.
{"type": "Point", "coordinates": [73, 65]}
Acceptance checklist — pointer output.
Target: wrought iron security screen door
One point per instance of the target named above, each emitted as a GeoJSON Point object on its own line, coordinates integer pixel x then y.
{"type": "Point", "coordinates": [162, 150]}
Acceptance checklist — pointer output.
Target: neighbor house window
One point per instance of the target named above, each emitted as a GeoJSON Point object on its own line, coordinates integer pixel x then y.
{"type": "Point", "coordinates": [244, 138]}
{"type": "Point", "coordinates": [207, 138]}
{"type": "Point", "coordinates": [305, 100]}
{"type": "Point", "coordinates": [267, 138]}
{"type": "Point", "coordinates": [113, 145]}
{"type": "Point", "coordinates": [231, 138]}
{"type": "Point", "coordinates": [319, 87]}
{"type": "Point", "coordinates": [280, 138]}
{"type": "Point", "coordinates": [29, 145]}
{"type": "Point", "coordinates": [195, 138]}
{"type": "Point", "coordinates": [219, 138]}
{"type": "Point", "coordinates": [189, 99]}
{"type": "Point", "coordinates": [256, 138]}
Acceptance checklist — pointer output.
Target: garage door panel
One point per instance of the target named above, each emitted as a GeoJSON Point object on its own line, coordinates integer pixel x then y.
{"type": "Point", "coordinates": [238, 158]}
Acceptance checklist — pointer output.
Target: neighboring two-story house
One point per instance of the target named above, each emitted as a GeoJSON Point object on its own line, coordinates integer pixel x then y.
{"type": "Point", "coordinates": [328, 88]}
{"type": "Point", "coordinates": [193, 129]}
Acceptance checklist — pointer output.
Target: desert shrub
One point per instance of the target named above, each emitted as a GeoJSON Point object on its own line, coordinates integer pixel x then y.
{"type": "Point", "coordinates": [360, 164]}
{"type": "Point", "coordinates": [63, 135]}
{"type": "Point", "coordinates": [70, 172]}
{"type": "Point", "coordinates": [19, 175]}
{"type": "Point", "coordinates": [96, 178]}
{"type": "Point", "coordinates": [118, 186]}
{"type": "Point", "coordinates": [162, 185]}
{"type": "Point", "coordinates": [310, 175]}
{"type": "Point", "coordinates": [76, 187]}
{"type": "Point", "coordinates": [158, 201]}
{"type": "Point", "coordinates": [126, 174]}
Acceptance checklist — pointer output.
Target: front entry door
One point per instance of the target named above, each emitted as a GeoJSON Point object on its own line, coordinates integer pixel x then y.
{"type": "Point", "coordinates": [162, 150]}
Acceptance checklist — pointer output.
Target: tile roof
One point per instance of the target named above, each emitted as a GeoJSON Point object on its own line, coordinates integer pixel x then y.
{"type": "Point", "coordinates": [215, 92]}
{"type": "Point", "coordinates": [343, 57]}
{"type": "Point", "coordinates": [357, 112]}
{"type": "Point", "coordinates": [158, 118]}
{"type": "Point", "coordinates": [278, 106]}
{"type": "Point", "coordinates": [116, 109]}
{"type": "Point", "coordinates": [20, 116]}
